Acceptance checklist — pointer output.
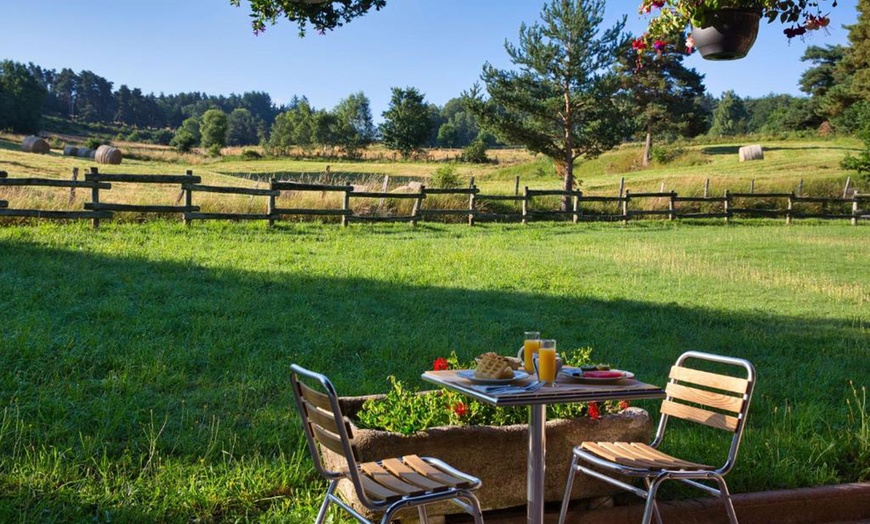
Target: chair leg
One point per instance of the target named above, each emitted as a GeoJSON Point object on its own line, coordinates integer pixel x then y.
{"type": "Point", "coordinates": [566, 498]}
{"type": "Point", "coordinates": [321, 515]}
{"type": "Point", "coordinates": [476, 512]}
{"type": "Point", "coordinates": [726, 498]}
{"type": "Point", "coordinates": [424, 518]}
{"type": "Point", "coordinates": [651, 508]}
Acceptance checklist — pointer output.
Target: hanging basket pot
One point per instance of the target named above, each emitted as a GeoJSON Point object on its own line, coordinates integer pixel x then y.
{"type": "Point", "coordinates": [730, 35]}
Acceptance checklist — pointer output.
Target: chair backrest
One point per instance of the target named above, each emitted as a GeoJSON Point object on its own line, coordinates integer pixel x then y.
{"type": "Point", "coordinates": [325, 426]}
{"type": "Point", "coordinates": [716, 400]}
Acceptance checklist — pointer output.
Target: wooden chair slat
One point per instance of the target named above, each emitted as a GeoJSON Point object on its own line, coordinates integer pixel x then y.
{"type": "Point", "coordinates": [701, 416]}
{"type": "Point", "coordinates": [330, 441]}
{"type": "Point", "coordinates": [376, 472]}
{"type": "Point", "coordinates": [713, 380]}
{"type": "Point", "coordinates": [654, 454]}
{"type": "Point", "coordinates": [324, 419]}
{"type": "Point", "coordinates": [706, 398]}
{"type": "Point", "coordinates": [430, 471]}
{"type": "Point", "coordinates": [378, 492]}
{"type": "Point", "coordinates": [317, 398]}
{"type": "Point", "coordinates": [401, 470]}
{"type": "Point", "coordinates": [628, 457]}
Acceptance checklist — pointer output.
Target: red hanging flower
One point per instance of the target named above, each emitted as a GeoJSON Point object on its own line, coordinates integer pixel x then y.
{"type": "Point", "coordinates": [659, 45]}
{"type": "Point", "coordinates": [623, 405]}
{"type": "Point", "coordinates": [460, 409]}
{"type": "Point", "coordinates": [594, 414]}
{"type": "Point", "coordinates": [638, 44]}
{"type": "Point", "coordinates": [441, 364]}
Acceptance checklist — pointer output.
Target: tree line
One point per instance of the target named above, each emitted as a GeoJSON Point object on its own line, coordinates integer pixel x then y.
{"type": "Point", "coordinates": [608, 94]}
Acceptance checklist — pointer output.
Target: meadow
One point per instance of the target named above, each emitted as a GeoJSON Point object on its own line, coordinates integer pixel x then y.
{"type": "Point", "coordinates": [145, 365]}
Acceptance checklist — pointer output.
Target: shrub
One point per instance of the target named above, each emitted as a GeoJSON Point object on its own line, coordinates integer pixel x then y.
{"type": "Point", "coordinates": [134, 136]}
{"type": "Point", "coordinates": [445, 177]}
{"type": "Point", "coordinates": [666, 155]}
{"type": "Point", "coordinates": [475, 152]}
{"type": "Point", "coordinates": [250, 154]}
{"type": "Point", "coordinates": [93, 143]}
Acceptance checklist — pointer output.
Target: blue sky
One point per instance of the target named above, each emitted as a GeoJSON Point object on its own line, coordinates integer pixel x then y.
{"type": "Point", "coordinates": [437, 46]}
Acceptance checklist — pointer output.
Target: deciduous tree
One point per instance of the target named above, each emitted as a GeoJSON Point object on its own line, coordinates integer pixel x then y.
{"type": "Point", "coordinates": [407, 121]}
{"type": "Point", "coordinates": [354, 127]}
{"type": "Point", "coordinates": [213, 127]}
{"type": "Point", "coordinates": [323, 15]}
{"type": "Point", "coordinates": [560, 102]}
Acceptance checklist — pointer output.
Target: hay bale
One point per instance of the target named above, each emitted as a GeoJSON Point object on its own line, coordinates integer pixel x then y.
{"type": "Point", "coordinates": [70, 151]}
{"type": "Point", "coordinates": [34, 144]}
{"type": "Point", "coordinates": [108, 155]}
{"type": "Point", "coordinates": [752, 152]}
{"type": "Point", "coordinates": [84, 152]}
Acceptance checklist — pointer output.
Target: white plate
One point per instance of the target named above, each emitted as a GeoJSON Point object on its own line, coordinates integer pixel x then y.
{"type": "Point", "coordinates": [577, 374]}
{"type": "Point", "coordinates": [469, 374]}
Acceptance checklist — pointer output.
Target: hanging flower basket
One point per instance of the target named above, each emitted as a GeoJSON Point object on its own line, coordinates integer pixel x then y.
{"type": "Point", "coordinates": [730, 35]}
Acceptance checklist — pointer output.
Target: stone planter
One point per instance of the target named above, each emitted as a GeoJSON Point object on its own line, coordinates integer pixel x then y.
{"type": "Point", "coordinates": [730, 36]}
{"type": "Point", "coordinates": [497, 454]}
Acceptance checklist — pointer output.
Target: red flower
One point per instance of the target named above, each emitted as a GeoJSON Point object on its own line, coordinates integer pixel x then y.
{"type": "Point", "coordinates": [638, 44]}
{"type": "Point", "coordinates": [623, 405]}
{"type": "Point", "coordinates": [659, 45]}
{"type": "Point", "coordinates": [441, 364]}
{"type": "Point", "coordinates": [593, 411]}
{"type": "Point", "coordinates": [460, 409]}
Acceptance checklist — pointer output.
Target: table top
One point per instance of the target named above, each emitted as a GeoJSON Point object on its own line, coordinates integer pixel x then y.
{"type": "Point", "coordinates": [566, 390]}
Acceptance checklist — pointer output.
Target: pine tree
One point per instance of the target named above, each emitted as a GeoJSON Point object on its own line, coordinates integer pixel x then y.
{"type": "Point", "coordinates": [561, 102]}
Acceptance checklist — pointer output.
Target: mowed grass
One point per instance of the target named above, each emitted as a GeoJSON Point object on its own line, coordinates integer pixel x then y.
{"type": "Point", "coordinates": [145, 369]}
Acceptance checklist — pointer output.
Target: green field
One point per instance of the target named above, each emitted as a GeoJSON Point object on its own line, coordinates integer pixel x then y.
{"type": "Point", "coordinates": [145, 366]}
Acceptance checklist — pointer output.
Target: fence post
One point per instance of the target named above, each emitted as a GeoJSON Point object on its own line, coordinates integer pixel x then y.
{"type": "Point", "coordinates": [855, 209]}
{"type": "Point", "coordinates": [846, 187]}
{"type": "Point", "coordinates": [272, 203]}
{"type": "Point", "coordinates": [471, 201]}
{"type": "Point", "coordinates": [752, 186]}
{"type": "Point", "coordinates": [188, 199]}
{"type": "Point", "coordinates": [72, 190]}
{"type": "Point", "coordinates": [789, 209]}
{"type": "Point", "coordinates": [727, 206]}
{"type": "Point", "coordinates": [418, 204]}
{"type": "Point", "coordinates": [625, 207]}
{"type": "Point", "coordinates": [707, 188]}
{"type": "Point", "coordinates": [575, 205]}
{"type": "Point", "coordinates": [672, 205]}
{"type": "Point", "coordinates": [800, 190]}
{"type": "Point", "coordinates": [525, 204]}
{"type": "Point", "coordinates": [95, 197]}
{"type": "Point", "coordinates": [345, 205]}
{"type": "Point", "coordinates": [517, 186]}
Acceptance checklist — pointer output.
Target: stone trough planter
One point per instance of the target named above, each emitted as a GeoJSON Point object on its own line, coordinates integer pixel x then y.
{"type": "Point", "coordinates": [497, 454]}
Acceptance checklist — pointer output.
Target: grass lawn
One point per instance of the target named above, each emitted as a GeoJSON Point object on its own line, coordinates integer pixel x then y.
{"type": "Point", "coordinates": [145, 366]}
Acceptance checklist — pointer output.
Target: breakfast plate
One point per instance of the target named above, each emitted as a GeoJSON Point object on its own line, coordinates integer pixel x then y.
{"type": "Point", "coordinates": [469, 374]}
{"type": "Point", "coordinates": [596, 377]}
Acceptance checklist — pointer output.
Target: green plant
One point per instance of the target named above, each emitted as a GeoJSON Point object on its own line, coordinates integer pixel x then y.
{"type": "Point", "coordinates": [445, 177]}
{"type": "Point", "coordinates": [407, 411]}
{"type": "Point", "coordinates": [250, 154]}
{"type": "Point", "coordinates": [93, 143]}
{"type": "Point", "coordinates": [859, 425]}
{"type": "Point", "coordinates": [675, 15]}
{"type": "Point", "coordinates": [666, 155]}
{"type": "Point", "coordinates": [475, 152]}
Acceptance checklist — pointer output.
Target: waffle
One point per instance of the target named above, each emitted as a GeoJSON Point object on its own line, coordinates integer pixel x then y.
{"type": "Point", "coordinates": [493, 366]}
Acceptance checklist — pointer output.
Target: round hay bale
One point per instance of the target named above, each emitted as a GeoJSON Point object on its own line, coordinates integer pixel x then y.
{"type": "Point", "coordinates": [752, 152]}
{"type": "Point", "coordinates": [70, 151]}
{"type": "Point", "coordinates": [84, 152]}
{"type": "Point", "coordinates": [108, 155]}
{"type": "Point", "coordinates": [34, 144]}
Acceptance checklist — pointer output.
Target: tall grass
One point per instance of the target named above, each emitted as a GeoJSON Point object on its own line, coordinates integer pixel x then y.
{"type": "Point", "coordinates": [145, 366]}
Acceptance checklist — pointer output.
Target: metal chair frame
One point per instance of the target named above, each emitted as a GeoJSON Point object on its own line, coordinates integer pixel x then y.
{"type": "Point", "coordinates": [462, 497]}
{"type": "Point", "coordinates": [655, 476]}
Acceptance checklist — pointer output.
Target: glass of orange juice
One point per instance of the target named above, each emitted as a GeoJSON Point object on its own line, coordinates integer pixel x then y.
{"type": "Point", "coordinates": [531, 343]}
{"type": "Point", "coordinates": [547, 362]}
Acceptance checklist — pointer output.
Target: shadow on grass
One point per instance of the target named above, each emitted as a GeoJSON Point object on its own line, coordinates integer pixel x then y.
{"type": "Point", "coordinates": [117, 357]}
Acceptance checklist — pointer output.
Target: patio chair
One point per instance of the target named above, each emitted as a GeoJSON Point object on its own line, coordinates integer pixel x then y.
{"type": "Point", "coordinates": [386, 485]}
{"type": "Point", "coordinates": [716, 400]}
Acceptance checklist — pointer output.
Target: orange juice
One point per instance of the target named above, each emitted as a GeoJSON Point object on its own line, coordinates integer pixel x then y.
{"type": "Point", "coordinates": [547, 365]}
{"type": "Point", "coordinates": [530, 347]}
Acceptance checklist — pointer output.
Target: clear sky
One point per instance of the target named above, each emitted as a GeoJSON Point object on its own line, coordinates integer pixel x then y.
{"type": "Point", "coordinates": [437, 46]}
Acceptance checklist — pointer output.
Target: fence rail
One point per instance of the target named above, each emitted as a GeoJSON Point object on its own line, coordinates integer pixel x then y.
{"type": "Point", "coordinates": [574, 205]}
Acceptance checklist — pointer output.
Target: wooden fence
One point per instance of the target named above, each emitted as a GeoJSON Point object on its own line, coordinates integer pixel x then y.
{"type": "Point", "coordinates": [624, 206]}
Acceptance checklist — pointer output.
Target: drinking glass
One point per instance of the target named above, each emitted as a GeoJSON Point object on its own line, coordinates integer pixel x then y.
{"type": "Point", "coordinates": [531, 343]}
{"type": "Point", "coordinates": [547, 361]}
